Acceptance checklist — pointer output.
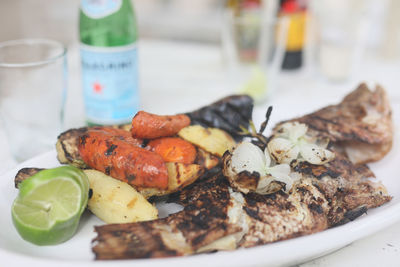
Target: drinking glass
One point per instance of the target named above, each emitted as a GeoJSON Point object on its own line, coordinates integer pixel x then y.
{"type": "Point", "coordinates": [253, 48]}
{"type": "Point", "coordinates": [32, 94]}
{"type": "Point", "coordinates": [342, 29]}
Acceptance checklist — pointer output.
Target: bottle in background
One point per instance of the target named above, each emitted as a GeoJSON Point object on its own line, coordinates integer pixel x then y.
{"type": "Point", "coordinates": [296, 13]}
{"type": "Point", "coordinates": [108, 35]}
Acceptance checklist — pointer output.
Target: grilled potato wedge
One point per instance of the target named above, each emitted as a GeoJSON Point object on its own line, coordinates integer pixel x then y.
{"type": "Point", "coordinates": [179, 176]}
{"type": "Point", "coordinates": [114, 201]}
{"type": "Point", "coordinates": [206, 160]}
{"type": "Point", "coordinates": [213, 140]}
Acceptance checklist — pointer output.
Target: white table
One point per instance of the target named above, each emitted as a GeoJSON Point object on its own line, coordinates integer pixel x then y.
{"type": "Point", "coordinates": [177, 77]}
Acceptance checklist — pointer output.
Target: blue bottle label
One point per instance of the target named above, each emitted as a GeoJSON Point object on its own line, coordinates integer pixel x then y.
{"type": "Point", "coordinates": [110, 83]}
{"type": "Point", "coordinates": [100, 8]}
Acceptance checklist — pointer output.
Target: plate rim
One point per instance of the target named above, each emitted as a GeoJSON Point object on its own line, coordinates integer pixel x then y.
{"type": "Point", "coordinates": [350, 232]}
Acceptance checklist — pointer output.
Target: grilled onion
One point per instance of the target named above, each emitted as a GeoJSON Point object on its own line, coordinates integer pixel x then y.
{"type": "Point", "coordinates": [249, 169]}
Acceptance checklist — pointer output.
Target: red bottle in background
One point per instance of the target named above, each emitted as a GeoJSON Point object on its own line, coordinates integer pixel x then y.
{"type": "Point", "coordinates": [296, 12]}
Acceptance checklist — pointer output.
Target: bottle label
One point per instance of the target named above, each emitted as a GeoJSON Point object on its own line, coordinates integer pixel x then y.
{"type": "Point", "coordinates": [100, 8]}
{"type": "Point", "coordinates": [110, 83]}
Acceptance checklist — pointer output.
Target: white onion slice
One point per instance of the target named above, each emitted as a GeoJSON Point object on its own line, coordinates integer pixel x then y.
{"type": "Point", "coordinates": [315, 154]}
{"type": "Point", "coordinates": [283, 150]}
{"type": "Point", "coordinates": [248, 157]}
{"type": "Point", "coordinates": [296, 131]}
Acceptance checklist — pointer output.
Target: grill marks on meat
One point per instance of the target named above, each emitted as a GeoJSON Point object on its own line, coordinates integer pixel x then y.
{"type": "Point", "coordinates": [313, 205]}
{"type": "Point", "coordinates": [203, 220]}
{"type": "Point", "coordinates": [340, 166]}
{"type": "Point", "coordinates": [280, 216]}
{"type": "Point", "coordinates": [216, 218]}
{"type": "Point", "coordinates": [361, 124]}
{"type": "Point", "coordinates": [326, 196]}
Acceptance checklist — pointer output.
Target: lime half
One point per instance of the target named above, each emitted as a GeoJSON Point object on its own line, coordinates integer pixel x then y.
{"type": "Point", "coordinates": [49, 205]}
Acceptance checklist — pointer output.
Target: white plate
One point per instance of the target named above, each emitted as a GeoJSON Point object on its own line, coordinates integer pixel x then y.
{"type": "Point", "coordinates": [77, 251]}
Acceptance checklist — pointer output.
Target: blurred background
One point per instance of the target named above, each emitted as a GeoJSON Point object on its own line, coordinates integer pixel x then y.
{"type": "Point", "coordinates": [195, 20]}
{"type": "Point", "coordinates": [190, 45]}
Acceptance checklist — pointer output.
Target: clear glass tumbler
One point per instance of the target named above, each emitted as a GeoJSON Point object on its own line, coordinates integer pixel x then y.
{"type": "Point", "coordinates": [253, 47]}
{"type": "Point", "coordinates": [33, 83]}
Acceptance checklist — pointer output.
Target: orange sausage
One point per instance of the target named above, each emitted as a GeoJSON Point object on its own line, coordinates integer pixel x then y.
{"type": "Point", "coordinates": [173, 149]}
{"type": "Point", "coordinates": [119, 134]}
{"type": "Point", "coordinates": [122, 159]}
{"type": "Point", "coordinates": [149, 126]}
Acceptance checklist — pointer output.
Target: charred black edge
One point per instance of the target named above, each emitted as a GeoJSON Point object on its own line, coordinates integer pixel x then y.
{"type": "Point", "coordinates": [175, 197]}
{"type": "Point", "coordinates": [351, 215]}
{"type": "Point", "coordinates": [66, 135]}
{"type": "Point", "coordinates": [307, 168]}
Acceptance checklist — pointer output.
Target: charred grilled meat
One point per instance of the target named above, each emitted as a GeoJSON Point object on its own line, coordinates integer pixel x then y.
{"type": "Point", "coordinates": [203, 221]}
{"type": "Point", "coordinates": [360, 126]}
{"type": "Point", "coordinates": [217, 218]}
{"type": "Point", "coordinates": [325, 194]}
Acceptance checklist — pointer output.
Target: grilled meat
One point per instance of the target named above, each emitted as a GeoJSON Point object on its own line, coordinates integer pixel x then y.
{"type": "Point", "coordinates": [149, 126]}
{"type": "Point", "coordinates": [325, 195]}
{"type": "Point", "coordinates": [216, 218]}
{"type": "Point", "coordinates": [119, 155]}
{"type": "Point", "coordinates": [360, 126]}
{"type": "Point", "coordinates": [203, 220]}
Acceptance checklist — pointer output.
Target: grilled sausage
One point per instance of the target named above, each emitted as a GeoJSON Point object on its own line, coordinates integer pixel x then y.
{"type": "Point", "coordinates": [119, 134]}
{"type": "Point", "coordinates": [119, 156]}
{"type": "Point", "coordinates": [149, 126]}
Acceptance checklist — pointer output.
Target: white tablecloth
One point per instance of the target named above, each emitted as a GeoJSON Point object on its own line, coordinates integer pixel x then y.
{"type": "Point", "coordinates": [177, 77]}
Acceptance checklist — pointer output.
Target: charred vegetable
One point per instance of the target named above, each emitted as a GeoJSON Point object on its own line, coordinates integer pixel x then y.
{"type": "Point", "coordinates": [291, 142]}
{"type": "Point", "coordinates": [173, 149]}
{"type": "Point", "coordinates": [227, 114]}
{"type": "Point", "coordinates": [265, 168]}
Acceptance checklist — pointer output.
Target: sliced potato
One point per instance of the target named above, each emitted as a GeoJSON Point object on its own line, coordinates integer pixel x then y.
{"type": "Point", "coordinates": [213, 140]}
{"type": "Point", "coordinates": [179, 176]}
{"type": "Point", "coordinates": [206, 159]}
{"type": "Point", "coordinates": [114, 201]}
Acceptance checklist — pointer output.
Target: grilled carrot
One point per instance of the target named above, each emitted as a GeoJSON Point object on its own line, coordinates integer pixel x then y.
{"type": "Point", "coordinates": [173, 149]}
{"type": "Point", "coordinates": [122, 159]}
{"type": "Point", "coordinates": [149, 126]}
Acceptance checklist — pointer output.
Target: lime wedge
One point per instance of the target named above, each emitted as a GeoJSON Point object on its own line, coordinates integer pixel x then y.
{"type": "Point", "coordinates": [49, 205]}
